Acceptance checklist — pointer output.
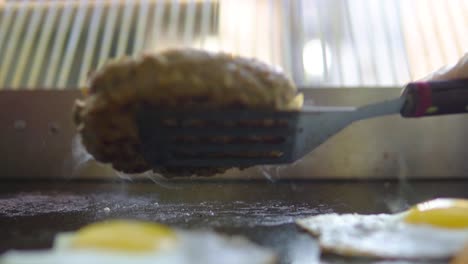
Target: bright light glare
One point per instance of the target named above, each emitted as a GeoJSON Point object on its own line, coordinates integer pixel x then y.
{"type": "Point", "coordinates": [211, 43]}
{"type": "Point", "coordinates": [313, 59]}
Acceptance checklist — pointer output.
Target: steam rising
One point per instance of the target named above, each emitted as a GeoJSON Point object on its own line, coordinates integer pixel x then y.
{"type": "Point", "coordinates": [160, 180]}
{"type": "Point", "coordinates": [400, 202]}
{"type": "Point", "coordinates": [123, 176]}
{"type": "Point", "coordinates": [79, 155]}
{"type": "Point", "coordinates": [84, 165]}
{"type": "Point", "coordinates": [274, 173]}
{"type": "Point", "coordinates": [397, 204]}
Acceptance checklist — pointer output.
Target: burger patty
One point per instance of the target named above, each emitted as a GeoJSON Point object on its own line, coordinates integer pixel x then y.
{"type": "Point", "coordinates": [173, 79]}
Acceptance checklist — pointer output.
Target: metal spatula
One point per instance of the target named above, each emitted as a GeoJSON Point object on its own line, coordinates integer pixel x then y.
{"type": "Point", "coordinates": [245, 138]}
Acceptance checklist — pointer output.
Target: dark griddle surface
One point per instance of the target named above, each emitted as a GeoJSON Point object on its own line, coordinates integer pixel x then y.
{"type": "Point", "coordinates": [31, 213]}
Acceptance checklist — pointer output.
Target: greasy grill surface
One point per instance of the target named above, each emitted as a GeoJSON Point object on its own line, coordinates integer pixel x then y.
{"type": "Point", "coordinates": [32, 212]}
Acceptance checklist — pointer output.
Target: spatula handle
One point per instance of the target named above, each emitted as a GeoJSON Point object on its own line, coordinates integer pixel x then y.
{"type": "Point", "coordinates": [435, 98]}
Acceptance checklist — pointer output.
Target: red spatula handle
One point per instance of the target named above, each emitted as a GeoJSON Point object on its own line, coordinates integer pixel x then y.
{"type": "Point", "coordinates": [435, 98]}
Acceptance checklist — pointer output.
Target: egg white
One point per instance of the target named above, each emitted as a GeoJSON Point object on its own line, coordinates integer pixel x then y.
{"type": "Point", "coordinates": [191, 247]}
{"type": "Point", "coordinates": [383, 236]}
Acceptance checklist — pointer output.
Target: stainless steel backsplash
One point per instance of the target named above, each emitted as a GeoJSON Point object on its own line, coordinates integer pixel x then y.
{"type": "Point", "coordinates": [38, 140]}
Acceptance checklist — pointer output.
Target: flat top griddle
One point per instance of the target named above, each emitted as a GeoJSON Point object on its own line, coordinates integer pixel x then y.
{"type": "Point", "coordinates": [32, 212]}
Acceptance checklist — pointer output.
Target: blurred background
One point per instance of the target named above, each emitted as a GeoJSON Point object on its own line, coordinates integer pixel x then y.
{"type": "Point", "coordinates": [320, 43]}
{"type": "Point", "coordinates": [334, 49]}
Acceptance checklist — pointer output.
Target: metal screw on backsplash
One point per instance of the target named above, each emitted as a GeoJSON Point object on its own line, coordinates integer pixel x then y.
{"type": "Point", "coordinates": [54, 128]}
{"type": "Point", "coordinates": [19, 124]}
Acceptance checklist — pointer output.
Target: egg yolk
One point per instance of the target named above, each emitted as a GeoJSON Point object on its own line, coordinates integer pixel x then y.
{"type": "Point", "coordinates": [127, 236]}
{"type": "Point", "coordinates": [446, 213]}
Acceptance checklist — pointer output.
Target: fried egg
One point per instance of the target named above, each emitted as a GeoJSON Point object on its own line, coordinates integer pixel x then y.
{"type": "Point", "coordinates": [435, 229]}
{"type": "Point", "coordinates": [136, 242]}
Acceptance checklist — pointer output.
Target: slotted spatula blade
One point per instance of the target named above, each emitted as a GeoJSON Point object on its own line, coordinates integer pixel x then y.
{"type": "Point", "coordinates": [247, 137]}
{"type": "Point", "coordinates": [237, 138]}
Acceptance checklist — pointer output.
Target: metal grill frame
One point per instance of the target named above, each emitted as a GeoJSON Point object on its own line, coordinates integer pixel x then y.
{"type": "Point", "coordinates": [55, 44]}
